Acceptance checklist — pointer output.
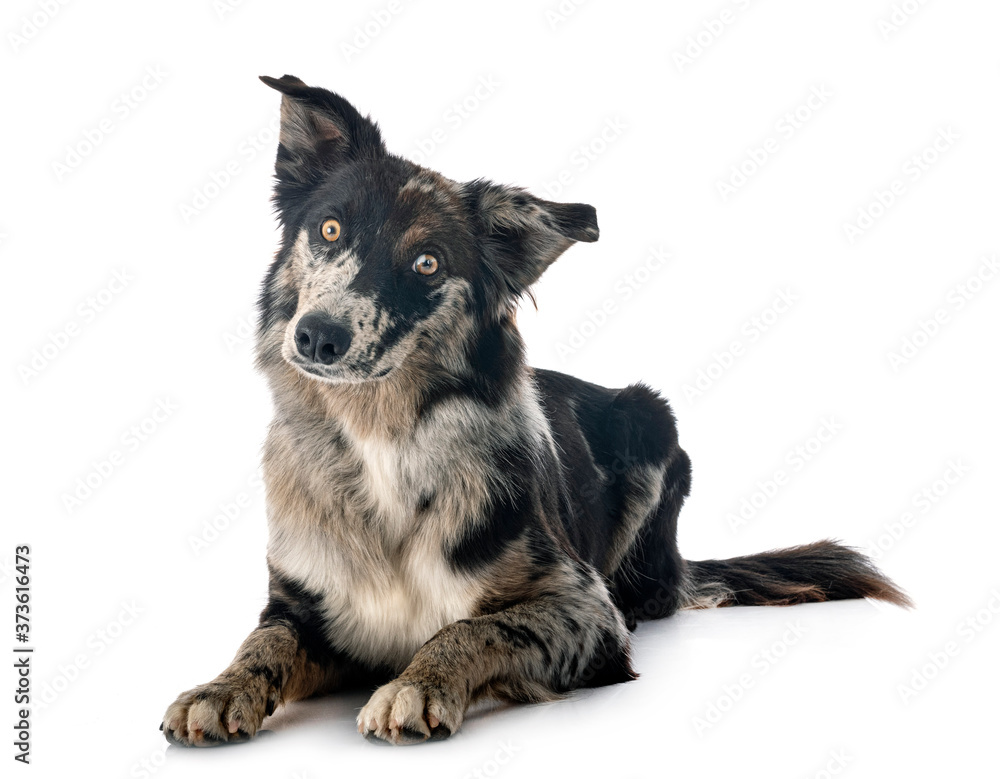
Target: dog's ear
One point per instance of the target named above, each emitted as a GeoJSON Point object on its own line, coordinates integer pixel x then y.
{"type": "Point", "coordinates": [525, 234]}
{"type": "Point", "coordinates": [319, 130]}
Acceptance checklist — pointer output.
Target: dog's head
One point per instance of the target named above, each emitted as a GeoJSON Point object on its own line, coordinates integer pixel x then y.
{"type": "Point", "coordinates": [384, 262]}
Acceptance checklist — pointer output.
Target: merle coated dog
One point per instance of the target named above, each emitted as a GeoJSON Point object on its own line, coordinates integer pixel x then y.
{"type": "Point", "coordinates": [444, 520]}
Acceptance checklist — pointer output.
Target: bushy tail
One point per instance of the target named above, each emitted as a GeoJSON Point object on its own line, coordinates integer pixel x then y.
{"type": "Point", "coordinates": [815, 572]}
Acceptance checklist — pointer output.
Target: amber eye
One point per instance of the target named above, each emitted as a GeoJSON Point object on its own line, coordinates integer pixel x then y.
{"type": "Point", "coordinates": [425, 264]}
{"type": "Point", "coordinates": [330, 229]}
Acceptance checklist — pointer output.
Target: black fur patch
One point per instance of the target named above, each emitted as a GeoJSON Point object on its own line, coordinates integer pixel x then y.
{"type": "Point", "coordinates": [291, 604]}
{"type": "Point", "coordinates": [611, 665]}
{"type": "Point", "coordinates": [487, 539]}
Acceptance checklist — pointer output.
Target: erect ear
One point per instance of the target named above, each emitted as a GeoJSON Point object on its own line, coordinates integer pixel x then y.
{"type": "Point", "coordinates": [525, 234]}
{"type": "Point", "coordinates": [319, 130]}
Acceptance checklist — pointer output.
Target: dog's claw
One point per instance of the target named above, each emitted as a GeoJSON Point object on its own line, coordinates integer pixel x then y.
{"type": "Point", "coordinates": [410, 712]}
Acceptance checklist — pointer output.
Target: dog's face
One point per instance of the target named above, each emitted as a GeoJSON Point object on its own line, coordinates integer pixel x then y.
{"type": "Point", "coordinates": [385, 262]}
{"type": "Point", "coordinates": [382, 266]}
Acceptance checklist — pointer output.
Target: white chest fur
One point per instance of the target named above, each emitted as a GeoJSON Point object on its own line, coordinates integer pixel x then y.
{"type": "Point", "coordinates": [346, 522]}
{"type": "Point", "coordinates": [377, 610]}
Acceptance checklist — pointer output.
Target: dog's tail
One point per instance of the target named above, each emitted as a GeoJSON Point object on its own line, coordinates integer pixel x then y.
{"type": "Point", "coordinates": [825, 570]}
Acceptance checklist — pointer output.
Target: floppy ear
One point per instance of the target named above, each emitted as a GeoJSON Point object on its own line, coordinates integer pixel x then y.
{"type": "Point", "coordinates": [525, 234]}
{"type": "Point", "coordinates": [319, 130]}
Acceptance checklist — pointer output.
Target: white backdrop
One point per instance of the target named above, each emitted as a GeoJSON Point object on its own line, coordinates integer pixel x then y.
{"type": "Point", "coordinates": [798, 206]}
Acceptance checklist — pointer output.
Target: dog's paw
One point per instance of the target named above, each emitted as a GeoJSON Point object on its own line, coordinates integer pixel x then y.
{"type": "Point", "coordinates": [225, 711]}
{"type": "Point", "coordinates": [410, 711]}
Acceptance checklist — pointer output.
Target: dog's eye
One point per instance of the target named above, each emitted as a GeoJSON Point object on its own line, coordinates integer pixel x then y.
{"type": "Point", "coordinates": [330, 229]}
{"type": "Point", "coordinates": [425, 264]}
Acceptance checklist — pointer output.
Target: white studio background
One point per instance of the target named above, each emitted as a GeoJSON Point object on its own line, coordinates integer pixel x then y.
{"type": "Point", "coordinates": [821, 181]}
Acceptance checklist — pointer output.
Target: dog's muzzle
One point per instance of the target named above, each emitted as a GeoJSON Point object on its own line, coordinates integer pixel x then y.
{"type": "Point", "coordinates": [322, 339]}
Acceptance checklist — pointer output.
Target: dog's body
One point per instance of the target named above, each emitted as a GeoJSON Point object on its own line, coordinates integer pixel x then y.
{"type": "Point", "coordinates": [442, 517]}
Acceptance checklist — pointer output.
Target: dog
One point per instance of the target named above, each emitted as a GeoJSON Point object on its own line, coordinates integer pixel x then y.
{"type": "Point", "coordinates": [447, 524]}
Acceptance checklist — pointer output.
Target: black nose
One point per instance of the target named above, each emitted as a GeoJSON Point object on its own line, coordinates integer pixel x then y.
{"type": "Point", "coordinates": [320, 338]}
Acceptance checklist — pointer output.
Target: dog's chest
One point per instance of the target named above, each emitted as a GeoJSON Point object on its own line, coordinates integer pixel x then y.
{"type": "Point", "coordinates": [366, 527]}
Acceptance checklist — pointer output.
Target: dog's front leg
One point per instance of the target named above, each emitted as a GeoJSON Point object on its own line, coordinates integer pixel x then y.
{"type": "Point", "coordinates": [270, 668]}
{"type": "Point", "coordinates": [532, 651]}
{"type": "Point", "coordinates": [285, 659]}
